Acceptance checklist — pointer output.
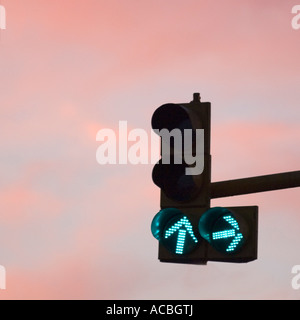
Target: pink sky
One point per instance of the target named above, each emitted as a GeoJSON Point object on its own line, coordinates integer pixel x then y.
{"type": "Point", "coordinates": [70, 228]}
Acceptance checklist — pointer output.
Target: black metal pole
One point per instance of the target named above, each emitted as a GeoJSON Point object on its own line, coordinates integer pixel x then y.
{"type": "Point", "coordinates": [255, 184]}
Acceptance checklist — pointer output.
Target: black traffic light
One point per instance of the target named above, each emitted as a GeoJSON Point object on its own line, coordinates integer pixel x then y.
{"type": "Point", "coordinates": [183, 173]}
{"type": "Point", "coordinates": [188, 230]}
{"type": "Point", "coordinates": [230, 233]}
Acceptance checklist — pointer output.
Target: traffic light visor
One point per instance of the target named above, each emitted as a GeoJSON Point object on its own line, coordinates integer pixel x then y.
{"type": "Point", "coordinates": [170, 116]}
{"type": "Point", "coordinates": [172, 179]}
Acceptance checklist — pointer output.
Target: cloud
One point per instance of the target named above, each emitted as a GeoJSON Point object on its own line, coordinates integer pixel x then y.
{"type": "Point", "coordinates": [71, 228]}
{"type": "Point", "coordinates": [254, 148]}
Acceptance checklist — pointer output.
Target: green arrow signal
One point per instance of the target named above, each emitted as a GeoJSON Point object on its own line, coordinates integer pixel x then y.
{"type": "Point", "coordinates": [229, 234]}
{"type": "Point", "coordinates": [181, 238]}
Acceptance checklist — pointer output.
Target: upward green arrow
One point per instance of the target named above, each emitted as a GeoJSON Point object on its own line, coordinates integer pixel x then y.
{"type": "Point", "coordinates": [181, 238]}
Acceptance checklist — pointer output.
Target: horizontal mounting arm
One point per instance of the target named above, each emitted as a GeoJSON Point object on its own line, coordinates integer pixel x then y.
{"type": "Point", "coordinates": [255, 184]}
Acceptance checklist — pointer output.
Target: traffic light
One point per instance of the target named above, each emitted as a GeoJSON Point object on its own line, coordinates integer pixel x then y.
{"type": "Point", "coordinates": [187, 228]}
{"type": "Point", "coordinates": [230, 233]}
{"type": "Point", "coordinates": [183, 173]}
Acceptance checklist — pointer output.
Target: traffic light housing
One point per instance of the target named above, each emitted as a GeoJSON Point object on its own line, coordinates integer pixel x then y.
{"type": "Point", "coordinates": [187, 228]}
{"type": "Point", "coordinates": [183, 128]}
{"type": "Point", "coordinates": [231, 233]}
{"type": "Point", "coordinates": [215, 234]}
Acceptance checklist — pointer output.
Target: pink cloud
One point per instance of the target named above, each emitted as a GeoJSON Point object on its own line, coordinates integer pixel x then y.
{"type": "Point", "coordinates": [74, 229]}
{"type": "Point", "coordinates": [19, 204]}
{"type": "Point", "coordinates": [254, 148]}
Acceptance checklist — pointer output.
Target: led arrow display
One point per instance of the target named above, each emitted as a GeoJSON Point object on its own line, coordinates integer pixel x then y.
{"type": "Point", "coordinates": [221, 229]}
{"type": "Point", "coordinates": [225, 229]}
{"type": "Point", "coordinates": [175, 231]}
{"type": "Point", "coordinates": [179, 236]}
{"type": "Point", "coordinates": [231, 233]}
